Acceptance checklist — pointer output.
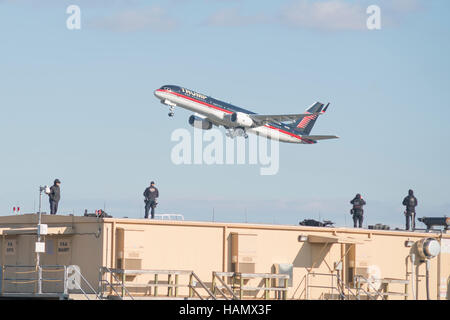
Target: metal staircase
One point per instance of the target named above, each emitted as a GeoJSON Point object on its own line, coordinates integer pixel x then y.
{"type": "Point", "coordinates": [269, 282]}
{"type": "Point", "coordinates": [383, 291]}
{"type": "Point", "coordinates": [114, 282]}
{"type": "Point", "coordinates": [364, 289]}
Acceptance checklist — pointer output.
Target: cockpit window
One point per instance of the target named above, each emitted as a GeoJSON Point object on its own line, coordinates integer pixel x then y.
{"type": "Point", "coordinates": [166, 88]}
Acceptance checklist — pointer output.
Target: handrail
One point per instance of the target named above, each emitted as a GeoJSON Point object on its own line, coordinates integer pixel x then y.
{"type": "Point", "coordinates": [110, 285]}
{"type": "Point", "coordinates": [118, 282]}
{"type": "Point", "coordinates": [342, 283]}
{"type": "Point", "coordinates": [308, 285]}
{"type": "Point", "coordinates": [4, 270]}
{"type": "Point", "coordinates": [339, 283]}
{"type": "Point", "coordinates": [224, 274]}
{"type": "Point", "coordinates": [203, 285]}
{"type": "Point", "coordinates": [144, 271]}
{"type": "Point", "coordinates": [170, 285]}
{"type": "Point", "coordinates": [221, 292]}
{"type": "Point", "coordinates": [383, 281]}
{"type": "Point", "coordinates": [338, 288]}
{"type": "Point", "coordinates": [44, 269]}
{"type": "Point", "coordinates": [218, 275]}
{"type": "Point", "coordinates": [87, 282]}
{"type": "Point", "coordinates": [169, 216]}
{"type": "Point", "coordinates": [193, 289]}
{"type": "Point", "coordinates": [369, 284]}
{"type": "Point", "coordinates": [265, 276]}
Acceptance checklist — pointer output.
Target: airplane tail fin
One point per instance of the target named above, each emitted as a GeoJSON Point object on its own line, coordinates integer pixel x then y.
{"type": "Point", "coordinates": [305, 124]}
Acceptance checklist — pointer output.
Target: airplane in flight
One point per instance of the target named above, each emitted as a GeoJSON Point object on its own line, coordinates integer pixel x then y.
{"type": "Point", "coordinates": [291, 128]}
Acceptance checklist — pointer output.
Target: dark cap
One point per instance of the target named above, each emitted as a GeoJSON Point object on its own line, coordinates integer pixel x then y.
{"type": "Point", "coordinates": [153, 182]}
{"type": "Point", "coordinates": [56, 181]}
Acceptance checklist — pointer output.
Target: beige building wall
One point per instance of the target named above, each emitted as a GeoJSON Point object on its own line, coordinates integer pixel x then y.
{"type": "Point", "coordinates": [71, 240]}
{"type": "Point", "coordinates": [206, 247]}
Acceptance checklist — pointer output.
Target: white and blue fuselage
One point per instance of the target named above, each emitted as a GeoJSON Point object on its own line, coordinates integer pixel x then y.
{"type": "Point", "coordinates": [216, 112]}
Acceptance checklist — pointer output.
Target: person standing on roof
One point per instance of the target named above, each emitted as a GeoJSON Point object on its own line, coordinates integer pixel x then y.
{"type": "Point", "coordinates": [151, 194]}
{"type": "Point", "coordinates": [410, 202]}
{"type": "Point", "coordinates": [54, 196]}
{"type": "Point", "coordinates": [358, 211]}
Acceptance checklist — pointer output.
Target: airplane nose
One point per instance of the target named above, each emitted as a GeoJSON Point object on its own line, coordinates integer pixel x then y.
{"type": "Point", "coordinates": [157, 94]}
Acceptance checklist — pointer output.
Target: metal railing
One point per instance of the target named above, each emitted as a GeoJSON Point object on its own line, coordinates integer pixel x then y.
{"type": "Point", "coordinates": [343, 286]}
{"type": "Point", "coordinates": [337, 285]}
{"type": "Point", "coordinates": [237, 279]}
{"type": "Point", "coordinates": [331, 287]}
{"type": "Point", "coordinates": [217, 276]}
{"type": "Point", "coordinates": [383, 291]}
{"type": "Point", "coordinates": [68, 277]}
{"type": "Point", "coordinates": [19, 277]}
{"type": "Point", "coordinates": [78, 272]}
{"type": "Point", "coordinates": [345, 292]}
{"type": "Point", "coordinates": [169, 216]}
{"type": "Point", "coordinates": [359, 280]}
{"type": "Point", "coordinates": [118, 282]}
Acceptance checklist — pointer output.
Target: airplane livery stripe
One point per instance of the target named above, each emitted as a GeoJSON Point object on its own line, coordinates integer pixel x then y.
{"type": "Point", "coordinates": [229, 112]}
{"type": "Point", "coordinates": [195, 100]}
{"type": "Point", "coordinates": [306, 120]}
{"type": "Point", "coordinates": [286, 132]}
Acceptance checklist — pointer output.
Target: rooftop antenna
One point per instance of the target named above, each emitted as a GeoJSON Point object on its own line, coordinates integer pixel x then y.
{"type": "Point", "coordinates": [39, 247]}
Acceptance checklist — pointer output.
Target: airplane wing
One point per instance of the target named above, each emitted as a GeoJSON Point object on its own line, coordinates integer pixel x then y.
{"type": "Point", "coordinates": [320, 137]}
{"type": "Point", "coordinates": [261, 119]}
{"type": "Point", "coordinates": [198, 115]}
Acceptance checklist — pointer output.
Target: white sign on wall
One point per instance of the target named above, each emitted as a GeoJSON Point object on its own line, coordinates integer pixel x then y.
{"type": "Point", "coordinates": [64, 246]}
{"type": "Point", "coordinates": [10, 247]}
{"type": "Point", "coordinates": [39, 247]}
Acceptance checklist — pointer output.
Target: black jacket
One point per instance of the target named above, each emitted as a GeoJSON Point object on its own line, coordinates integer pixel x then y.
{"type": "Point", "coordinates": [358, 205]}
{"type": "Point", "coordinates": [151, 193]}
{"type": "Point", "coordinates": [410, 202]}
{"type": "Point", "coordinates": [55, 193]}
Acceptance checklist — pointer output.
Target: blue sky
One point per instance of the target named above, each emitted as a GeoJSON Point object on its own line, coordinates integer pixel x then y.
{"type": "Point", "coordinates": [78, 105]}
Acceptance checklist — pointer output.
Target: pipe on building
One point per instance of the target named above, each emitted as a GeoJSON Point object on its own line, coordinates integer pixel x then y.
{"type": "Point", "coordinates": [413, 259]}
{"type": "Point", "coordinates": [439, 279]}
{"type": "Point", "coordinates": [224, 249]}
{"type": "Point", "coordinates": [427, 277]}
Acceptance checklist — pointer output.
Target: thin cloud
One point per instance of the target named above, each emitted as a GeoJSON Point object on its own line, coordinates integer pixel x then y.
{"type": "Point", "coordinates": [83, 3]}
{"type": "Point", "coordinates": [403, 6]}
{"type": "Point", "coordinates": [153, 18]}
{"type": "Point", "coordinates": [394, 12]}
{"type": "Point", "coordinates": [231, 17]}
{"type": "Point", "coordinates": [325, 15]}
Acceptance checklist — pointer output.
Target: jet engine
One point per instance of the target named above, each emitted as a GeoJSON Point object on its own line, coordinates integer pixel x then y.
{"type": "Point", "coordinates": [200, 123]}
{"type": "Point", "coordinates": [240, 119]}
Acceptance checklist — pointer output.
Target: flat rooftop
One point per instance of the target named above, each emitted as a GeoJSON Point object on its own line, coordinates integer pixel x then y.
{"type": "Point", "coordinates": [30, 220]}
